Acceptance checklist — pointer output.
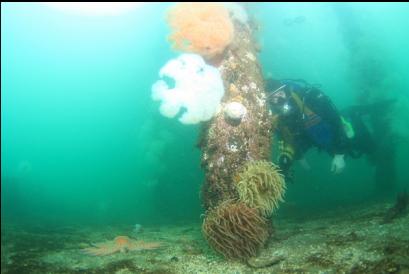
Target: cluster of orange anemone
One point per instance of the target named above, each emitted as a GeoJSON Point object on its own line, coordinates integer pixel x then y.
{"type": "Point", "coordinates": [202, 28]}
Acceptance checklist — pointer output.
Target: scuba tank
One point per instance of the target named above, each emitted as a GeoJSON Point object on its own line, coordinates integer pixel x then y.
{"type": "Point", "coordinates": [315, 106]}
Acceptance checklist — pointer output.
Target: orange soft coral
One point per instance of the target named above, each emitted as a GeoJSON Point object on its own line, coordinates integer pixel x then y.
{"type": "Point", "coordinates": [202, 28]}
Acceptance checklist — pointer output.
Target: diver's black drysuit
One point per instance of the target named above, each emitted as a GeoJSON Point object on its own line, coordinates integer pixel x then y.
{"type": "Point", "coordinates": [308, 118]}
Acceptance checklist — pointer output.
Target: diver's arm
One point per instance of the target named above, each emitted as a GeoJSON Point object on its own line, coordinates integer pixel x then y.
{"type": "Point", "coordinates": [338, 152]}
{"type": "Point", "coordinates": [340, 144]}
{"type": "Point", "coordinates": [329, 113]}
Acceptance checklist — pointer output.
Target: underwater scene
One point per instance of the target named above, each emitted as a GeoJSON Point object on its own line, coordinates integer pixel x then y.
{"type": "Point", "coordinates": [204, 137]}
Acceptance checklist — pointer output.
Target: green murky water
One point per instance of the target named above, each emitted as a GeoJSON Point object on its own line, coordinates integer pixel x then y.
{"type": "Point", "coordinates": [82, 142]}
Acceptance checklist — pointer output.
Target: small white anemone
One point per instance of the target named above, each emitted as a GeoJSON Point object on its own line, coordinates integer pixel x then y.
{"type": "Point", "coordinates": [235, 110]}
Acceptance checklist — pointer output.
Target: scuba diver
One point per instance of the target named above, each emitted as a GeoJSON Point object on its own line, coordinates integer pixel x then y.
{"type": "Point", "coordinates": [306, 118]}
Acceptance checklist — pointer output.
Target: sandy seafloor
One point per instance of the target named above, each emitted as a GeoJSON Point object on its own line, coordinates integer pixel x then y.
{"type": "Point", "coordinates": [346, 240]}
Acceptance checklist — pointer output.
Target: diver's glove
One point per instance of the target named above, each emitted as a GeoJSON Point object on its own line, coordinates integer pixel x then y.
{"type": "Point", "coordinates": [338, 163]}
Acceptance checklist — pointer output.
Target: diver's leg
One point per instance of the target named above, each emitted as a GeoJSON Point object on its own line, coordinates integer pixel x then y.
{"type": "Point", "coordinates": [378, 108]}
{"type": "Point", "coordinates": [379, 142]}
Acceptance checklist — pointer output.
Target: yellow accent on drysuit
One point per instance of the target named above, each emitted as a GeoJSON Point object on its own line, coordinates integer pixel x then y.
{"type": "Point", "coordinates": [286, 150]}
{"type": "Point", "coordinates": [286, 146]}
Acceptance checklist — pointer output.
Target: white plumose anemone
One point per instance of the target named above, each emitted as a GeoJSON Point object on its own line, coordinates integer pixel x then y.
{"type": "Point", "coordinates": [196, 93]}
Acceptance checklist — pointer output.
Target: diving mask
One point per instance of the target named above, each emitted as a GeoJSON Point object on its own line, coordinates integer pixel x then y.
{"type": "Point", "coordinates": [279, 102]}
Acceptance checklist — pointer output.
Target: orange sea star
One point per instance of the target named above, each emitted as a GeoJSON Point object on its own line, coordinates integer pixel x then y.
{"type": "Point", "coordinates": [119, 244]}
